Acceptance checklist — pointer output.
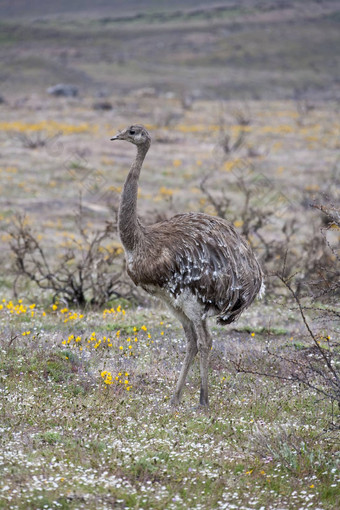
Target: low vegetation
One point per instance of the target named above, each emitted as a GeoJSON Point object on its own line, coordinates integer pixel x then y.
{"type": "Point", "coordinates": [86, 421]}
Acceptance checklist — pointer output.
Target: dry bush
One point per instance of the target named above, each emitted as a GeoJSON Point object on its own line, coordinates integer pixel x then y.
{"type": "Point", "coordinates": [293, 450]}
{"type": "Point", "coordinates": [326, 285]}
{"type": "Point", "coordinates": [33, 140]}
{"type": "Point", "coordinates": [89, 271]}
{"type": "Point", "coordinates": [246, 198]}
{"type": "Point", "coordinates": [230, 144]}
{"type": "Point", "coordinates": [250, 216]}
{"type": "Point", "coordinates": [167, 117]}
{"type": "Point", "coordinates": [242, 116]}
{"type": "Point", "coordinates": [240, 193]}
{"type": "Point", "coordinates": [316, 365]}
{"type": "Point", "coordinates": [237, 190]}
{"type": "Point", "coordinates": [310, 260]}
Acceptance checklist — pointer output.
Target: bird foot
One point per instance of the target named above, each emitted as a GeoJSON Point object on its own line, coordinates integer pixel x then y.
{"type": "Point", "coordinates": [201, 408]}
{"type": "Point", "coordinates": [174, 402]}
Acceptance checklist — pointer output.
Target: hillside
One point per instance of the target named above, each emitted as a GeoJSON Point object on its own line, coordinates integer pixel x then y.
{"type": "Point", "coordinates": [246, 50]}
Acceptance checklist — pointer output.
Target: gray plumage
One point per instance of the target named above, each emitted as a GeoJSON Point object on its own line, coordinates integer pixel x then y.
{"type": "Point", "coordinates": [198, 264]}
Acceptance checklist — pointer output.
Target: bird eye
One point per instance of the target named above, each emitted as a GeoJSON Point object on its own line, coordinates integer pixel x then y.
{"type": "Point", "coordinates": [132, 132]}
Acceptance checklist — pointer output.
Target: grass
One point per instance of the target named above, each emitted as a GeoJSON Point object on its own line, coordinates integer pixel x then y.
{"type": "Point", "coordinates": [260, 330]}
{"type": "Point", "coordinates": [71, 441]}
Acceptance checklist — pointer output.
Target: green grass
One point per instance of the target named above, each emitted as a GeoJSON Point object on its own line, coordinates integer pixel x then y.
{"type": "Point", "coordinates": [261, 330]}
{"type": "Point", "coordinates": [70, 441]}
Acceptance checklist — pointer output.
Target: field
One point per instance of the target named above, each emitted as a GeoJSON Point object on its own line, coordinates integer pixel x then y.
{"type": "Point", "coordinates": [244, 126]}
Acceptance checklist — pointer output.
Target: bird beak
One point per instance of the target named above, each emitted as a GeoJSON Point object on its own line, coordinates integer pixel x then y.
{"type": "Point", "coordinates": [117, 136]}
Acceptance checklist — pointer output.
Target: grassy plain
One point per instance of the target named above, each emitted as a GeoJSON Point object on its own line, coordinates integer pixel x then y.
{"type": "Point", "coordinates": [85, 421]}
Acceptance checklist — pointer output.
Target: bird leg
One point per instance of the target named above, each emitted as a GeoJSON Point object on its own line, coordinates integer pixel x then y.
{"type": "Point", "coordinates": [204, 347]}
{"type": "Point", "coordinates": [189, 357]}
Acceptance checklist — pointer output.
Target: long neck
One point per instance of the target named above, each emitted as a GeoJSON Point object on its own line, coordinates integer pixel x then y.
{"type": "Point", "coordinates": [129, 228]}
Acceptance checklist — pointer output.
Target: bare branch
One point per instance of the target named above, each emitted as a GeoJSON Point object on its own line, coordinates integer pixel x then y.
{"type": "Point", "coordinates": [91, 271]}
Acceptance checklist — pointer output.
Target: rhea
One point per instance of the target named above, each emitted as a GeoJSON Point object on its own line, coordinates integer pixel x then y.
{"type": "Point", "coordinates": [199, 265]}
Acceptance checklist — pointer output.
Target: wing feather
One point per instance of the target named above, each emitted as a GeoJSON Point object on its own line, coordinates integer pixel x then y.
{"type": "Point", "coordinates": [203, 253]}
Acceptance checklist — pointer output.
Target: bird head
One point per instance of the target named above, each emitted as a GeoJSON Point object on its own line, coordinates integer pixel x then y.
{"type": "Point", "coordinates": [136, 134]}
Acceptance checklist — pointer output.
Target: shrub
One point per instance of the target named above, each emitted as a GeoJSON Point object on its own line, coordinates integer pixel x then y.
{"type": "Point", "coordinates": [89, 271]}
